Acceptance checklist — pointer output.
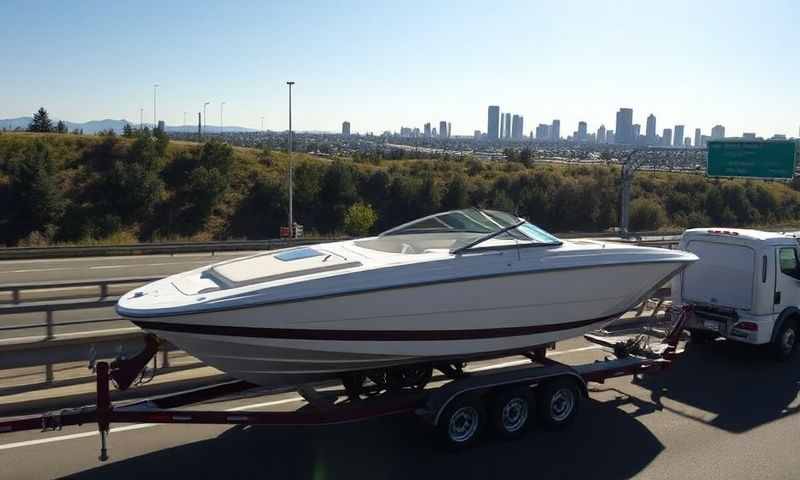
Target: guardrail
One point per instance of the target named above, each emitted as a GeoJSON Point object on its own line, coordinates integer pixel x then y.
{"type": "Point", "coordinates": [171, 248]}
{"type": "Point", "coordinates": [102, 284]}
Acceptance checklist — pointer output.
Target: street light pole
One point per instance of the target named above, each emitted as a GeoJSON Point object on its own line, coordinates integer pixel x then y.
{"type": "Point", "coordinates": [262, 124]}
{"type": "Point", "coordinates": [291, 193]}
{"type": "Point", "coordinates": [185, 127]}
{"type": "Point", "coordinates": [221, 129]}
{"type": "Point", "coordinates": [205, 121]}
{"type": "Point", "coordinates": [155, 121]}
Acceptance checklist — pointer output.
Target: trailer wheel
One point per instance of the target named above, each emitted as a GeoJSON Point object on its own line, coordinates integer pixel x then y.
{"type": "Point", "coordinates": [510, 412]}
{"type": "Point", "coordinates": [785, 343]}
{"type": "Point", "coordinates": [462, 422]}
{"type": "Point", "coordinates": [558, 402]}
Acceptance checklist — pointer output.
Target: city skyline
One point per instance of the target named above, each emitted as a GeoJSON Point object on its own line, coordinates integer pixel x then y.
{"type": "Point", "coordinates": [243, 56]}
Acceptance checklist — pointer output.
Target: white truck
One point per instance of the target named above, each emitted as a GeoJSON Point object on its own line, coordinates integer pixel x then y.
{"type": "Point", "coordinates": [745, 287]}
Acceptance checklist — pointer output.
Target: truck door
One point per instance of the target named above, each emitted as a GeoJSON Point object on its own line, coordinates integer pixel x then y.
{"type": "Point", "coordinates": [787, 279]}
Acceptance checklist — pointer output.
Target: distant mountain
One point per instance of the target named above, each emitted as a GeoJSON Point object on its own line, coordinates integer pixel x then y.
{"type": "Point", "coordinates": [94, 126]}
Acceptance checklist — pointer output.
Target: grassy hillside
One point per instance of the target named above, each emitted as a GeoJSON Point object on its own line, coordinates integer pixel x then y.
{"type": "Point", "coordinates": [89, 189]}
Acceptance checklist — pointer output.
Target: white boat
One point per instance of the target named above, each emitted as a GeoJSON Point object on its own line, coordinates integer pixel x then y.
{"type": "Point", "coordinates": [444, 288]}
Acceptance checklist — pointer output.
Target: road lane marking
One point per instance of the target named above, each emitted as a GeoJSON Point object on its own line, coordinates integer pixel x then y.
{"type": "Point", "coordinates": [88, 333]}
{"type": "Point", "coordinates": [29, 270]}
{"type": "Point", "coordinates": [293, 399]}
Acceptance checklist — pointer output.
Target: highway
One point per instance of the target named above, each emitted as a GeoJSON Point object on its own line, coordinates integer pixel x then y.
{"type": "Point", "coordinates": [88, 268]}
{"type": "Point", "coordinates": [722, 412]}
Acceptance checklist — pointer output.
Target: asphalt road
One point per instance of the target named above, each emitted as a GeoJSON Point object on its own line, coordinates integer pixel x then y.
{"type": "Point", "coordinates": [90, 268]}
{"type": "Point", "coordinates": [722, 411]}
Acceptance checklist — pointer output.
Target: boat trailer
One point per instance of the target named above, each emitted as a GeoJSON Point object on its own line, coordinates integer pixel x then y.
{"type": "Point", "coordinates": [504, 397]}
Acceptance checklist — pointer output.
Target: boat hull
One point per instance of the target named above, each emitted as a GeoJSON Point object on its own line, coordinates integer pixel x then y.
{"type": "Point", "coordinates": [289, 343]}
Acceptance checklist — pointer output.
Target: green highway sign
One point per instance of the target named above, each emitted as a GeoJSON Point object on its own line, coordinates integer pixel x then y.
{"type": "Point", "coordinates": [756, 159]}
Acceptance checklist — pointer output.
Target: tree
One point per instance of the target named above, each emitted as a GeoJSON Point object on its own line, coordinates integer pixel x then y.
{"type": "Point", "coordinates": [456, 196]}
{"type": "Point", "coordinates": [359, 219]}
{"type": "Point", "coordinates": [127, 130]}
{"type": "Point", "coordinates": [61, 127]}
{"type": "Point", "coordinates": [35, 194]}
{"type": "Point", "coordinates": [647, 214]}
{"type": "Point", "coordinates": [41, 122]}
{"type": "Point", "coordinates": [337, 193]}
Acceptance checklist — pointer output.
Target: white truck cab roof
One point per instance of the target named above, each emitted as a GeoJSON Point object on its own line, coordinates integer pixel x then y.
{"type": "Point", "coordinates": [741, 235]}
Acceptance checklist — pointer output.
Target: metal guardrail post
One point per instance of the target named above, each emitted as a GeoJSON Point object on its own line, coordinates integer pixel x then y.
{"type": "Point", "coordinates": [165, 358]}
{"type": "Point", "coordinates": [49, 324]}
{"type": "Point", "coordinates": [103, 289]}
{"type": "Point", "coordinates": [15, 295]}
{"type": "Point", "coordinates": [48, 373]}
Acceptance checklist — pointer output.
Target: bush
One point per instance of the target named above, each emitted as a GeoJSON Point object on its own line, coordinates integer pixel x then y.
{"type": "Point", "coordinates": [647, 214]}
{"type": "Point", "coordinates": [359, 219]}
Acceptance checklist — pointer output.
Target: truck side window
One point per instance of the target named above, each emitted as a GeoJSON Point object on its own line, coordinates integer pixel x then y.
{"type": "Point", "coordinates": [788, 261]}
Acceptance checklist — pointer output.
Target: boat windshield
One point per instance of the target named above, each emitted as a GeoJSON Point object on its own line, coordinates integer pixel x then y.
{"type": "Point", "coordinates": [460, 230]}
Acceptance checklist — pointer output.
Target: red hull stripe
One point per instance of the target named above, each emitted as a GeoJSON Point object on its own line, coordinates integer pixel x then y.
{"type": "Point", "coordinates": [365, 335]}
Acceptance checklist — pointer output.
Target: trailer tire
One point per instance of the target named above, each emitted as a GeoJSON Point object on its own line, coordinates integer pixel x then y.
{"type": "Point", "coordinates": [510, 412]}
{"type": "Point", "coordinates": [784, 345]}
{"type": "Point", "coordinates": [558, 402]}
{"type": "Point", "coordinates": [461, 423]}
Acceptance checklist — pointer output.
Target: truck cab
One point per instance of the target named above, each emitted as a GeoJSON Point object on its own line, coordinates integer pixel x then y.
{"type": "Point", "coordinates": [745, 287]}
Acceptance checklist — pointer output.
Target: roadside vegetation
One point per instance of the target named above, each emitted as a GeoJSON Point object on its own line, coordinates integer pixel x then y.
{"type": "Point", "coordinates": [63, 188]}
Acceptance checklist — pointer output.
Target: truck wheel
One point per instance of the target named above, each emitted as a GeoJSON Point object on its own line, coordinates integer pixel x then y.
{"type": "Point", "coordinates": [702, 336]}
{"type": "Point", "coordinates": [462, 422]}
{"type": "Point", "coordinates": [785, 343]}
{"type": "Point", "coordinates": [510, 412]}
{"type": "Point", "coordinates": [557, 403]}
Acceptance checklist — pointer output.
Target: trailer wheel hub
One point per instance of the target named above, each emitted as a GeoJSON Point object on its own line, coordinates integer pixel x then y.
{"type": "Point", "coordinates": [515, 414]}
{"type": "Point", "coordinates": [463, 424]}
{"type": "Point", "coordinates": [561, 404]}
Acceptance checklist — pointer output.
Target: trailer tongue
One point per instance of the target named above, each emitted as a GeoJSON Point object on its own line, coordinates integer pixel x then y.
{"type": "Point", "coordinates": [458, 409]}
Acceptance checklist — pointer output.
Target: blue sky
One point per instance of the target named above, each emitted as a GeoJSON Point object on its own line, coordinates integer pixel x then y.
{"type": "Point", "coordinates": [381, 64]}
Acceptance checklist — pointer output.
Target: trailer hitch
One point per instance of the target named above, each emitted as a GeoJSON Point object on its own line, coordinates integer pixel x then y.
{"type": "Point", "coordinates": [124, 371]}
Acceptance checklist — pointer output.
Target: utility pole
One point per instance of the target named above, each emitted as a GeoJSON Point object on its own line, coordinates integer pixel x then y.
{"type": "Point", "coordinates": [155, 121]}
{"type": "Point", "coordinates": [185, 127]}
{"type": "Point", "coordinates": [205, 120]}
{"type": "Point", "coordinates": [221, 129]}
{"type": "Point", "coordinates": [291, 193]}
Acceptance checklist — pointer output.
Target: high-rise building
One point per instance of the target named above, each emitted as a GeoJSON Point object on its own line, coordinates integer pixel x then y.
{"type": "Point", "coordinates": [636, 130]}
{"type": "Point", "coordinates": [502, 125]}
{"type": "Point", "coordinates": [718, 132]}
{"type": "Point", "coordinates": [517, 127]}
{"type": "Point", "coordinates": [346, 129]}
{"type": "Point", "coordinates": [749, 135]}
{"type": "Point", "coordinates": [624, 127]}
{"type": "Point", "coordinates": [601, 134]}
{"type": "Point", "coordinates": [449, 129]}
{"type": "Point", "coordinates": [428, 130]}
{"type": "Point", "coordinates": [507, 127]}
{"type": "Point", "coordinates": [650, 130]}
{"type": "Point", "coordinates": [610, 136]}
{"type": "Point", "coordinates": [476, 135]}
{"type": "Point", "coordinates": [697, 137]}
{"type": "Point", "coordinates": [687, 142]}
{"type": "Point", "coordinates": [666, 137]}
{"type": "Point", "coordinates": [543, 132]}
{"type": "Point", "coordinates": [678, 134]}
{"type": "Point", "coordinates": [555, 131]}
{"type": "Point", "coordinates": [493, 123]}
{"type": "Point", "coordinates": [443, 129]}
{"type": "Point", "coordinates": [434, 133]}
{"type": "Point", "coordinates": [582, 134]}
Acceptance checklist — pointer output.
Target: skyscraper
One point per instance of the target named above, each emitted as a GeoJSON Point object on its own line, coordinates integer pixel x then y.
{"type": "Point", "coordinates": [697, 137]}
{"type": "Point", "coordinates": [543, 132]}
{"type": "Point", "coordinates": [493, 123]}
{"type": "Point", "coordinates": [449, 129]}
{"type": "Point", "coordinates": [601, 134]}
{"type": "Point", "coordinates": [443, 129]}
{"type": "Point", "coordinates": [507, 131]}
{"type": "Point", "coordinates": [678, 133]}
{"type": "Point", "coordinates": [624, 127]}
{"type": "Point", "coordinates": [517, 127]}
{"type": "Point", "coordinates": [555, 131]}
{"type": "Point", "coordinates": [650, 130]}
{"type": "Point", "coordinates": [610, 136]}
{"type": "Point", "coordinates": [636, 130]}
{"type": "Point", "coordinates": [666, 137]}
{"type": "Point", "coordinates": [502, 125]}
{"type": "Point", "coordinates": [718, 132]}
{"type": "Point", "coordinates": [582, 135]}
{"type": "Point", "coordinates": [428, 130]}
{"type": "Point", "coordinates": [346, 129]}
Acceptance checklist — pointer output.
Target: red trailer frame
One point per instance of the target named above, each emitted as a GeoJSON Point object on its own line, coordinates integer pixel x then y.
{"type": "Point", "coordinates": [430, 404]}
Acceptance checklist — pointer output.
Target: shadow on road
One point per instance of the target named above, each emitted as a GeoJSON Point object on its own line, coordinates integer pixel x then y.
{"type": "Point", "coordinates": [742, 387]}
{"type": "Point", "coordinates": [400, 447]}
